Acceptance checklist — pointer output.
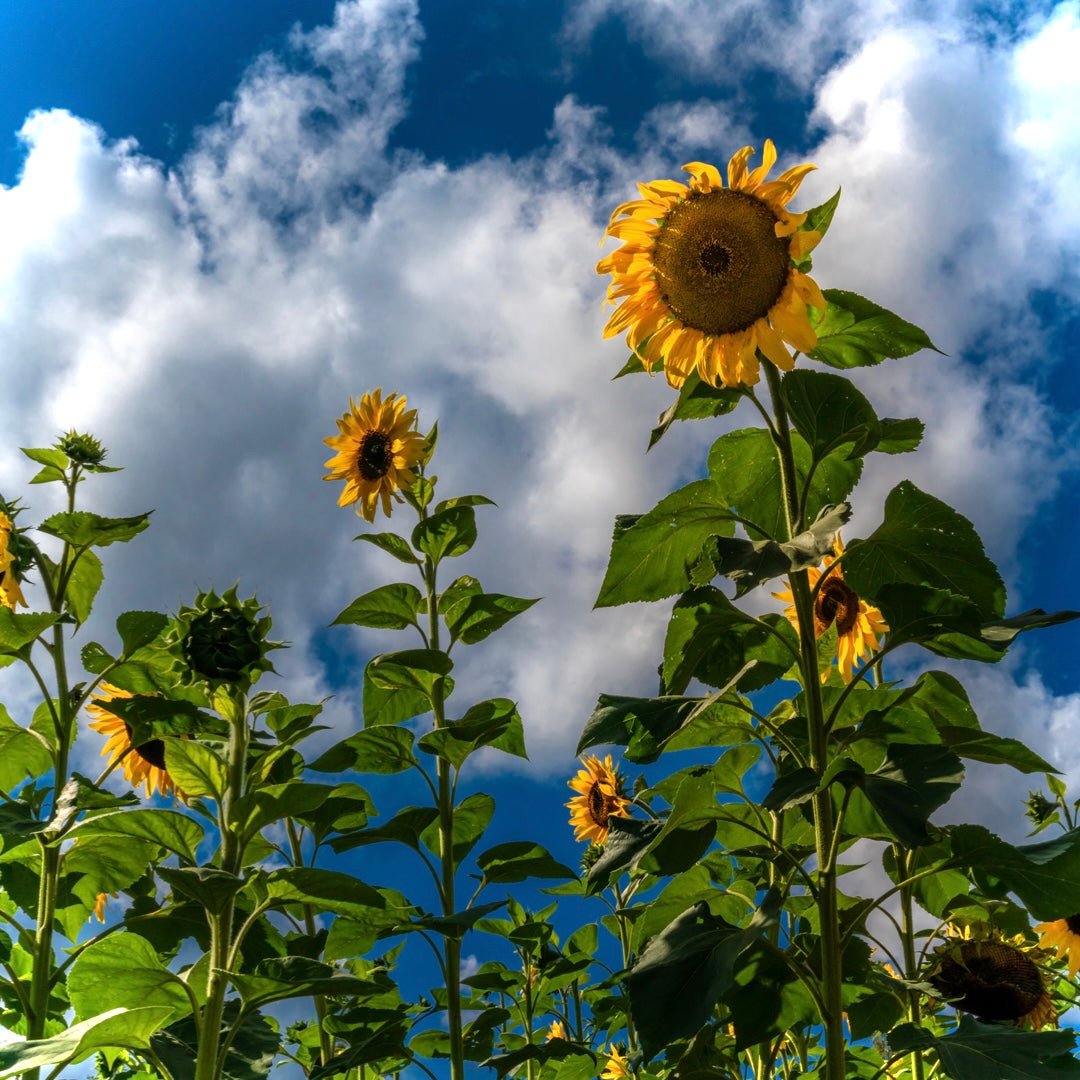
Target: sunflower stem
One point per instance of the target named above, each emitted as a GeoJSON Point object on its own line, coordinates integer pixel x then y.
{"type": "Point", "coordinates": [903, 860]}
{"type": "Point", "coordinates": [445, 799]}
{"type": "Point", "coordinates": [822, 808]}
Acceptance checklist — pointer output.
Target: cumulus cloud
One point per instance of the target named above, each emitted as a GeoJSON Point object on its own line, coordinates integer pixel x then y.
{"type": "Point", "coordinates": [209, 322]}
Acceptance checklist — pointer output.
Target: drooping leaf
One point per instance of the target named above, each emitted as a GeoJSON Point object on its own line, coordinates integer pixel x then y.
{"type": "Point", "coordinates": [519, 860]}
{"type": "Point", "coordinates": [447, 533]}
{"type": "Point", "coordinates": [392, 544]}
{"type": "Point", "coordinates": [175, 832]}
{"type": "Point", "coordinates": [405, 827]}
{"type": "Point", "coordinates": [389, 607]}
{"type": "Point", "coordinates": [696, 401]}
{"type": "Point", "coordinates": [628, 839]}
{"type": "Point", "coordinates": [19, 630]}
{"type": "Point", "coordinates": [474, 617]}
{"type": "Point", "coordinates": [86, 577]}
{"type": "Point", "coordinates": [385, 750]}
{"type": "Point", "coordinates": [494, 723]}
{"type": "Point", "coordinates": [411, 669]}
{"type": "Point", "coordinates": [209, 887]}
{"type": "Point", "coordinates": [329, 890]}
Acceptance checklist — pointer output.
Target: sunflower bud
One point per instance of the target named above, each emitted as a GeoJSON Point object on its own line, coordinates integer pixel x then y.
{"type": "Point", "coordinates": [83, 450]}
{"type": "Point", "coordinates": [222, 641]}
{"type": "Point", "coordinates": [591, 857]}
{"type": "Point", "coordinates": [1040, 810]}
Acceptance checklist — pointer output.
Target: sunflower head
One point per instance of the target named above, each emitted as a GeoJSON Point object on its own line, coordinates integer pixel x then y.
{"type": "Point", "coordinates": [600, 796]}
{"type": "Point", "coordinates": [83, 450]}
{"type": "Point", "coordinates": [557, 1030]}
{"type": "Point", "coordinates": [997, 981]}
{"type": "Point", "coordinates": [377, 451]}
{"type": "Point", "coordinates": [13, 558]}
{"type": "Point", "coordinates": [143, 764]}
{"type": "Point", "coordinates": [858, 624]}
{"type": "Point", "coordinates": [709, 275]}
{"type": "Point", "coordinates": [221, 640]}
{"type": "Point", "coordinates": [617, 1066]}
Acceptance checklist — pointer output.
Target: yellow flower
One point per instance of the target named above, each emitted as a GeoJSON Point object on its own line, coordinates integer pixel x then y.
{"type": "Point", "coordinates": [600, 796]}
{"type": "Point", "coordinates": [143, 764]}
{"type": "Point", "coordinates": [99, 905]}
{"type": "Point", "coordinates": [995, 981]}
{"type": "Point", "coordinates": [10, 593]}
{"type": "Point", "coordinates": [858, 624]}
{"type": "Point", "coordinates": [706, 273]}
{"type": "Point", "coordinates": [556, 1031]}
{"type": "Point", "coordinates": [376, 452]}
{"type": "Point", "coordinates": [617, 1066]}
{"type": "Point", "coordinates": [1063, 935]}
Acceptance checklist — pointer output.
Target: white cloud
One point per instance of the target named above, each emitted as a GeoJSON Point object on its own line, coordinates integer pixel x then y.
{"type": "Point", "coordinates": [209, 323]}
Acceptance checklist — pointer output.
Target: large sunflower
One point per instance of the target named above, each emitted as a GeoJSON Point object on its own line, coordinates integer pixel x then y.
{"type": "Point", "coordinates": [858, 624]}
{"type": "Point", "coordinates": [376, 452]}
{"type": "Point", "coordinates": [10, 593]}
{"type": "Point", "coordinates": [995, 981]}
{"type": "Point", "coordinates": [599, 797]}
{"type": "Point", "coordinates": [706, 273]}
{"type": "Point", "coordinates": [143, 764]}
{"type": "Point", "coordinates": [1063, 935]}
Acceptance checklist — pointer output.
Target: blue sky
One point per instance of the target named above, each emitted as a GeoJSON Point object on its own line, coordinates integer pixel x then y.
{"type": "Point", "coordinates": [219, 221]}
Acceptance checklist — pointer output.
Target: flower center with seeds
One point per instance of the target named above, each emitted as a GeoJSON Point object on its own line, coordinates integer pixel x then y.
{"type": "Point", "coordinates": [719, 264]}
{"type": "Point", "coordinates": [600, 805]}
{"type": "Point", "coordinates": [1073, 924]}
{"type": "Point", "coordinates": [836, 602]}
{"type": "Point", "coordinates": [991, 980]}
{"type": "Point", "coordinates": [373, 458]}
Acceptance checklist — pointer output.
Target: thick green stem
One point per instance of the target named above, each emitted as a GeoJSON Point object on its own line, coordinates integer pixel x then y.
{"type": "Point", "coordinates": [445, 795]}
{"type": "Point", "coordinates": [907, 933]}
{"type": "Point", "coordinates": [828, 895]}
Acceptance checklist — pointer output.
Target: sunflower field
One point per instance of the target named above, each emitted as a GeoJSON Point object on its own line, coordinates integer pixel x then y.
{"type": "Point", "coordinates": [157, 917]}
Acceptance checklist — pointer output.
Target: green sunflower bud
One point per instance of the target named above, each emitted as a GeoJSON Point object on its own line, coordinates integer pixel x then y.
{"type": "Point", "coordinates": [83, 450]}
{"type": "Point", "coordinates": [1039, 809]}
{"type": "Point", "coordinates": [591, 857]}
{"type": "Point", "coordinates": [221, 641]}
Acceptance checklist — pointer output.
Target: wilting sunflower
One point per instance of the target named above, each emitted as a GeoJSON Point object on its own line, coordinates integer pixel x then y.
{"type": "Point", "coordinates": [143, 764]}
{"type": "Point", "coordinates": [617, 1066]}
{"type": "Point", "coordinates": [706, 273]}
{"type": "Point", "coordinates": [376, 452]}
{"type": "Point", "coordinates": [1063, 935]}
{"type": "Point", "coordinates": [10, 593]}
{"type": "Point", "coordinates": [997, 982]}
{"type": "Point", "coordinates": [599, 797]}
{"type": "Point", "coordinates": [556, 1031]}
{"type": "Point", "coordinates": [858, 624]}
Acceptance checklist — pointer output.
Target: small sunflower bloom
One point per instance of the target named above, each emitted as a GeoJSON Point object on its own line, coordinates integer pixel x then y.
{"type": "Point", "coordinates": [707, 277]}
{"type": "Point", "coordinates": [100, 904]}
{"type": "Point", "coordinates": [10, 593]}
{"type": "Point", "coordinates": [557, 1030]}
{"type": "Point", "coordinates": [617, 1066]}
{"type": "Point", "coordinates": [1064, 936]}
{"type": "Point", "coordinates": [600, 796]}
{"type": "Point", "coordinates": [994, 980]}
{"type": "Point", "coordinates": [858, 624]}
{"type": "Point", "coordinates": [377, 451]}
{"type": "Point", "coordinates": [143, 764]}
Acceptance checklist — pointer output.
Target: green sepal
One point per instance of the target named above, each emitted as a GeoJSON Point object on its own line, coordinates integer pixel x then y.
{"type": "Point", "coordinates": [855, 332]}
{"type": "Point", "coordinates": [818, 219]}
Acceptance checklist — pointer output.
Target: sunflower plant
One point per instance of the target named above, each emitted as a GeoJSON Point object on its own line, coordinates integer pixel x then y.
{"type": "Point", "coordinates": [749, 956]}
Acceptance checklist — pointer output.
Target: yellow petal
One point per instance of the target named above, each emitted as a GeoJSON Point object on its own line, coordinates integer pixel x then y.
{"type": "Point", "coordinates": [768, 160]}
{"type": "Point", "coordinates": [737, 167]}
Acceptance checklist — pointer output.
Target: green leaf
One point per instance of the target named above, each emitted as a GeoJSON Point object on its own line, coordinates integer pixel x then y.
{"type": "Point", "coordinates": [471, 817]}
{"type": "Point", "coordinates": [518, 861]}
{"type": "Point", "coordinates": [766, 998]}
{"type": "Point", "coordinates": [139, 628]}
{"type": "Point", "coordinates": [23, 756]}
{"type": "Point", "coordinates": [675, 984]}
{"type": "Point", "coordinates": [922, 541]}
{"type": "Point", "coordinates": [652, 555]}
{"type": "Point", "coordinates": [384, 750]}
{"type": "Point", "coordinates": [410, 669]}
{"type": "Point", "coordinates": [129, 1029]}
{"type": "Point", "coordinates": [392, 544]}
{"type": "Point", "coordinates": [405, 827]}
{"type": "Point", "coordinates": [174, 832]}
{"type": "Point", "coordinates": [1046, 876]}
{"type": "Point", "coordinates": [494, 723]}
{"type": "Point", "coordinates": [281, 978]}
{"type": "Point", "coordinates": [689, 828]}
{"type": "Point", "coordinates": [911, 783]}
{"type": "Point", "coordinates": [329, 890]}
{"type": "Point", "coordinates": [385, 705]}
{"type": "Point", "coordinates": [828, 412]}
{"type": "Point", "coordinates": [899, 436]}
{"type": "Point", "coordinates": [209, 887]}
{"type": "Point", "coordinates": [19, 630]}
{"type": "Point", "coordinates": [275, 802]}
{"type": "Point", "coordinates": [83, 584]}
{"type": "Point", "coordinates": [976, 1051]}
{"type": "Point", "coordinates": [389, 607]}
{"type": "Point", "coordinates": [464, 500]}
{"type": "Point", "coordinates": [819, 218]}
{"type": "Point", "coordinates": [627, 840]}
{"type": "Point", "coordinates": [43, 455]}
{"type": "Point", "coordinates": [855, 332]}
{"type": "Point", "coordinates": [792, 789]}
{"type": "Point", "coordinates": [710, 639]}
{"type": "Point", "coordinates": [253, 1045]}
{"type": "Point", "coordinates": [1000, 633]}
{"type": "Point", "coordinates": [123, 971]}
{"type": "Point", "coordinates": [454, 926]}
{"type": "Point", "coordinates": [196, 769]}
{"type": "Point", "coordinates": [474, 617]}
{"type": "Point", "coordinates": [696, 400]}
{"type": "Point", "coordinates": [82, 529]}
{"type": "Point", "coordinates": [446, 533]}
{"type": "Point", "coordinates": [646, 726]}
{"type": "Point", "coordinates": [993, 749]}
